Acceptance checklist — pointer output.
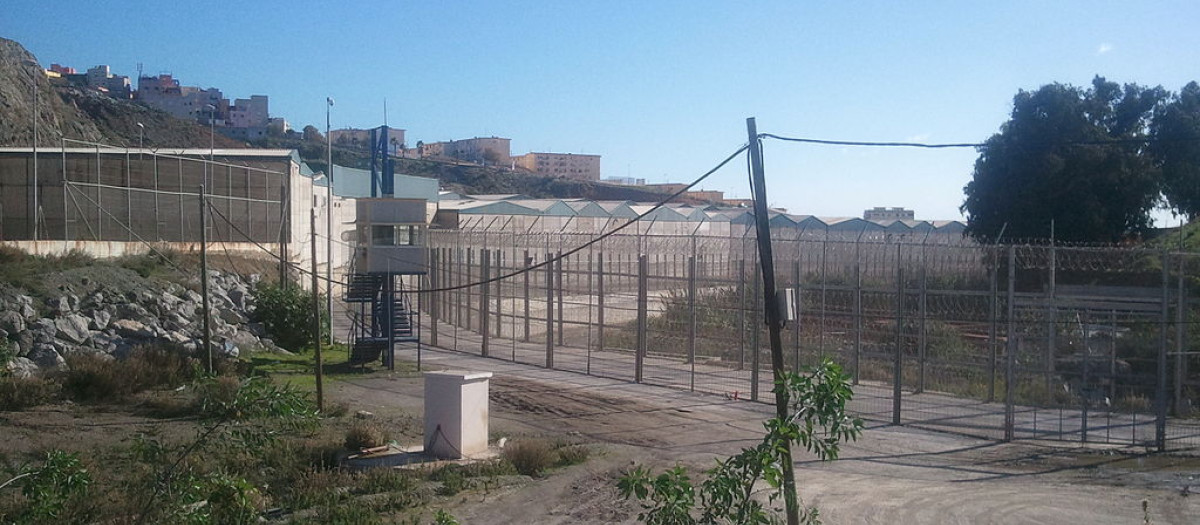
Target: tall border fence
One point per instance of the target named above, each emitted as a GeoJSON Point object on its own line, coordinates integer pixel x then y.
{"type": "Point", "coordinates": [92, 192]}
{"type": "Point", "coordinates": [1052, 342]}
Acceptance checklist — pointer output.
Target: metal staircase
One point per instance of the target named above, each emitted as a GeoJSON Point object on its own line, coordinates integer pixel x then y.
{"type": "Point", "coordinates": [383, 318]}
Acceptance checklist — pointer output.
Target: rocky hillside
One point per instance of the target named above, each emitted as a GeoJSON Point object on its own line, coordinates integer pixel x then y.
{"type": "Point", "coordinates": [108, 309]}
{"type": "Point", "coordinates": [81, 114]}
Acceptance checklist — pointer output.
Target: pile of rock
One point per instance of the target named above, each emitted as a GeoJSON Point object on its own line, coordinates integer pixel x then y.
{"type": "Point", "coordinates": [111, 323]}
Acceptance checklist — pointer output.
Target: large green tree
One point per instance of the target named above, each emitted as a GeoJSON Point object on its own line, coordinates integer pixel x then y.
{"type": "Point", "coordinates": [1072, 157]}
{"type": "Point", "coordinates": [1176, 150]}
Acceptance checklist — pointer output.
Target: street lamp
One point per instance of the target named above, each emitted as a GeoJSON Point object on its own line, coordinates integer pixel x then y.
{"type": "Point", "coordinates": [329, 220]}
{"type": "Point", "coordinates": [141, 136]}
{"type": "Point", "coordinates": [36, 204]}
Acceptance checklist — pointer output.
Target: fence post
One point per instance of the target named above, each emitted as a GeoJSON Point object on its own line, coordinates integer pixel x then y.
{"type": "Point", "coordinates": [742, 311]}
{"type": "Point", "coordinates": [858, 313]}
{"type": "Point", "coordinates": [600, 301]}
{"type": "Point", "coordinates": [485, 328]}
{"type": "Point", "coordinates": [528, 263]}
{"type": "Point", "coordinates": [549, 312]}
{"type": "Point", "coordinates": [1052, 313]}
{"type": "Point", "coordinates": [691, 291]}
{"type": "Point", "coordinates": [824, 294]}
{"type": "Point", "coordinates": [470, 278]}
{"type": "Point", "coordinates": [1180, 333]}
{"type": "Point", "coordinates": [799, 311]}
{"type": "Point", "coordinates": [993, 314]}
{"type": "Point", "coordinates": [923, 339]}
{"type": "Point", "coordinates": [434, 299]}
{"type": "Point", "coordinates": [1160, 391]}
{"type": "Point", "coordinates": [1012, 345]}
{"type": "Point", "coordinates": [754, 333]}
{"type": "Point", "coordinates": [898, 360]}
{"type": "Point", "coordinates": [559, 270]}
{"type": "Point", "coordinates": [640, 352]}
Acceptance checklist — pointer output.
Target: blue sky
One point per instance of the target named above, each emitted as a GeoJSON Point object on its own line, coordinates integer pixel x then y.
{"type": "Point", "coordinates": [660, 89]}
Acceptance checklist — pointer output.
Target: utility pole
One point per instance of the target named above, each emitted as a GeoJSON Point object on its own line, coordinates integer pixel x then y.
{"type": "Point", "coordinates": [316, 312]}
{"type": "Point", "coordinates": [774, 323]}
{"type": "Point", "coordinates": [207, 338]}
{"type": "Point", "coordinates": [329, 218]}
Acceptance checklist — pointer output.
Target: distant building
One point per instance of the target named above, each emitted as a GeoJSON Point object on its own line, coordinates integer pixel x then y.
{"type": "Point", "coordinates": [493, 151]}
{"type": "Point", "coordinates": [565, 165]}
{"type": "Point", "coordinates": [666, 187]}
{"type": "Point", "coordinates": [888, 214]}
{"type": "Point", "coordinates": [713, 196]}
{"type": "Point", "coordinates": [361, 139]}
{"type": "Point", "coordinates": [244, 119]}
{"type": "Point", "coordinates": [185, 102]}
{"type": "Point", "coordinates": [625, 181]}
{"type": "Point", "coordinates": [98, 78]}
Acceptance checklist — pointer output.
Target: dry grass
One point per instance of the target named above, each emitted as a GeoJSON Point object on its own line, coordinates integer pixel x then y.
{"type": "Point", "coordinates": [24, 393]}
{"type": "Point", "coordinates": [363, 434]}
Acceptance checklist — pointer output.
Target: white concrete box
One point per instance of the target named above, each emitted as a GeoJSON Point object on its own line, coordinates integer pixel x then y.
{"type": "Point", "coordinates": [456, 413]}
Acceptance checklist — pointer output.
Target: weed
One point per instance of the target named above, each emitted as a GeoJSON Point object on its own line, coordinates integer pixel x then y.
{"type": "Point", "coordinates": [572, 455]}
{"type": "Point", "coordinates": [49, 489]}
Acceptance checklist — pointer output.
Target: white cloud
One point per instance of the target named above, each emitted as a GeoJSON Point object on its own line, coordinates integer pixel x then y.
{"type": "Point", "coordinates": [1104, 48]}
{"type": "Point", "coordinates": [921, 137]}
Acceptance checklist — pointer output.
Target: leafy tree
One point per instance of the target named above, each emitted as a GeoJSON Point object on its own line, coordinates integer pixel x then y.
{"type": "Point", "coordinates": [1072, 156]}
{"type": "Point", "coordinates": [312, 134]}
{"type": "Point", "coordinates": [817, 420]}
{"type": "Point", "coordinates": [1176, 149]}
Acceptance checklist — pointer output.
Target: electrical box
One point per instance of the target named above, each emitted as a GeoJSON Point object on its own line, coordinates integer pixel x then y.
{"type": "Point", "coordinates": [787, 304]}
{"type": "Point", "coordinates": [456, 413]}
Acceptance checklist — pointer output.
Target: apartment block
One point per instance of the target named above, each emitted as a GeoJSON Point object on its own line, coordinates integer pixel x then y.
{"type": "Point", "coordinates": [494, 151]}
{"type": "Point", "coordinates": [564, 165]}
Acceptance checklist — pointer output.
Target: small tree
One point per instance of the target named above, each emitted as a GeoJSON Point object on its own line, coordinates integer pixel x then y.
{"type": "Point", "coordinates": [817, 421]}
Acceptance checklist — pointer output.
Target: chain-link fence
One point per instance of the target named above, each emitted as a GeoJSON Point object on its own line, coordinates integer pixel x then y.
{"type": "Point", "coordinates": [1003, 342]}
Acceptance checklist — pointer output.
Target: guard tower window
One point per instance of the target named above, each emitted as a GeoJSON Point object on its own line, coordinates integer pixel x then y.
{"type": "Point", "coordinates": [395, 235]}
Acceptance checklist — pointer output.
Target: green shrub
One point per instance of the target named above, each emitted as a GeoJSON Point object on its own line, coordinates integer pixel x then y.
{"type": "Point", "coordinates": [530, 457]}
{"type": "Point", "coordinates": [287, 315]}
{"type": "Point", "coordinates": [18, 393]}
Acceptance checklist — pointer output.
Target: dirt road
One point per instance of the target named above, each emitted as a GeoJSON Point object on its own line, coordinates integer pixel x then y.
{"type": "Point", "coordinates": [891, 475]}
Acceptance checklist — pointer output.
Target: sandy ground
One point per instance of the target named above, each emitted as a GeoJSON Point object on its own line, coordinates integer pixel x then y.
{"type": "Point", "coordinates": [892, 474]}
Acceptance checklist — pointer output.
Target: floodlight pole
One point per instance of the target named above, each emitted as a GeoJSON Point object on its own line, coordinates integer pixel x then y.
{"type": "Point", "coordinates": [774, 323]}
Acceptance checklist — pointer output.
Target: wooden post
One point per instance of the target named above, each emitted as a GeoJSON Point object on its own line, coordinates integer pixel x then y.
{"type": "Point", "coordinates": [205, 307]}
